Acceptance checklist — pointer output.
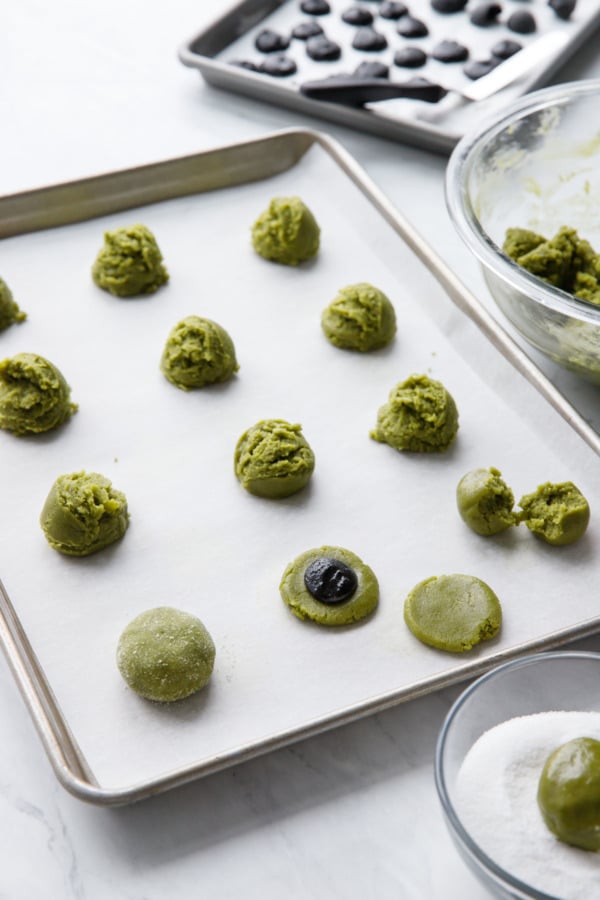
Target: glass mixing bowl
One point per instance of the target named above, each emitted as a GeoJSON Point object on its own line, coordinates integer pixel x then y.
{"type": "Point", "coordinates": [537, 167]}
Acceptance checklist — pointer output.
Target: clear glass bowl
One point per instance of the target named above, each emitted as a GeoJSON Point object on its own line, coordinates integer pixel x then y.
{"type": "Point", "coordinates": [537, 167]}
{"type": "Point", "coordinates": [542, 682]}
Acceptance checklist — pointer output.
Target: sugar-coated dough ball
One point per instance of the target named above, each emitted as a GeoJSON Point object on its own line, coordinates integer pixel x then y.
{"type": "Point", "coordinates": [569, 793]}
{"type": "Point", "coordinates": [165, 654]}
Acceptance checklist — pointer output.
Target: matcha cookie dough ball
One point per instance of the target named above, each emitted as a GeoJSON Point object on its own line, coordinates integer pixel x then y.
{"type": "Point", "coordinates": [165, 654]}
{"type": "Point", "coordinates": [453, 612]}
{"type": "Point", "coordinates": [273, 459]}
{"type": "Point", "coordinates": [129, 263]}
{"type": "Point", "coordinates": [569, 793]}
{"type": "Point", "coordinates": [286, 232]}
{"type": "Point", "coordinates": [198, 352]}
{"type": "Point", "coordinates": [34, 396]}
{"type": "Point", "coordinates": [485, 502]}
{"type": "Point", "coordinates": [361, 318]}
{"type": "Point", "coordinates": [9, 310]}
{"type": "Point", "coordinates": [83, 513]}
{"type": "Point", "coordinates": [329, 585]}
{"type": "Point", "coordinates": [556, 513]}
{"type": "Point", "coordinates": [420, 416]}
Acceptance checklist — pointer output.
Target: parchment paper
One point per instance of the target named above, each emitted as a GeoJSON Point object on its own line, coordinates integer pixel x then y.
{"type": "Point", "coordinates": [198, 541]}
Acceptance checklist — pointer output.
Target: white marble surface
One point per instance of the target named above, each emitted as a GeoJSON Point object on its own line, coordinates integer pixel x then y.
{"type": "Point", "coordinates": [352, 813]}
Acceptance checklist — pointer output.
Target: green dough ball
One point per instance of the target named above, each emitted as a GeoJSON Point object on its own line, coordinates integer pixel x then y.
{"type": "Point", "coordinates": [305, 605]}
{"type": "Point", "coordinates": [569, 793]}
{"type": "Point", "coordinates": [485, 502]}
{"type": "Point", "coordinates": [273, 459]}
{"type": "Point", "coordinates": [360, 318]}
{"type": "Point", "coordinates": [83, 513]}
{"type": "Point", "coordinates": [286, 232]}
{"type": "Point", "coordinates": [9, 310]}
{"type": "Point", "coordinates": [165, 654]}
{"type": "Point", "coordinates": [34, 396]}
{"type": "Point", "coordinates": [556, 513]}
{"type": "Point", "coordinates": [420, 416]}
{"type": "Point", "coordinates": [198, 352]}
{"type": "Point", "coordinates": [453, 612]}
{"type": "Point", "coordinates": [130, 262]}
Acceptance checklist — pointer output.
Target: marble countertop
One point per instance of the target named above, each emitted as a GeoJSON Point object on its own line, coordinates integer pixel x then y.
{"type": "Point", "coordinates": [352, 813]}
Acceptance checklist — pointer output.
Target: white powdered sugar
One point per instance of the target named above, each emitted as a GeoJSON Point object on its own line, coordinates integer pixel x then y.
{"type": "Point", "coordinates": [496, 800]}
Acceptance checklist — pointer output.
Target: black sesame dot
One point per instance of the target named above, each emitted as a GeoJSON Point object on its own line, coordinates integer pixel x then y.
{"type": "Point", "coordinates": [505, 49]}
{"type": "Point", "coordinates": [410, 27]}
{"type": "Point", "coordinates": [479, 68]}
{"type": "Point", "coordinates": [268, 41]}
{"type": "Point", "coordinates": [562, 8]}
{"type": "Point", "coordinates": [522, 21]}
{"type": "Point", "coordinates": [304, 30]}
{"type": "Point", "coordinates": [357, 15]}
{"type": "Point", "coordinates": [372, 70]}
{"type": "Point", "coordinates": [278, 66]}
{"type": "Point", "coordinates": [330, 580]}
{"type": "Point", "coordinates": [370, 40]}
{"type": "Point", "coordinates": [450, 51]}
{"type": "Point", "coordinates": [391, 9]}
{"type": "Point", "coordinates": [448, 6]}
{"type": "Point", "coordinates": [410, 57]}
{"type": "Point", "coordinates": [321, 49]}
{"type": "Point", "coordinates": [315, 7]}
{"type": "Point", "coordinates": [485, 14]}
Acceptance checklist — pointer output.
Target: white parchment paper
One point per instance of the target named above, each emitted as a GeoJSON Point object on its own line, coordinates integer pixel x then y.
{"type": "Point", "coordinates": [198, 541]}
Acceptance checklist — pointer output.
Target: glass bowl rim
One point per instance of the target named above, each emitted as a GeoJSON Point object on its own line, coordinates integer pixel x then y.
{"type": "Point", "coordinates": [475, 852]}
{"type": "Point", "coordinates": [459, 208]}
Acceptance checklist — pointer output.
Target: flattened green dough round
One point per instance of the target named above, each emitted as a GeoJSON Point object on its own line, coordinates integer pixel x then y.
{"type": "Point", "coordinates": [304, 605]}
{"type": "Point", "coordinates": [485, 502]}
{"type": "Point", "coordinates": [556, 513]}
{"type": "Point", "coordinates": [273, 459]}
{"type": "Point", "coordinates": [129, 263]}
{"type": "Point", "coordinates": [286, 232]}
{"type": "Point", "coordinates": [165, 654]}
{"type": "Point", "coordinates": [420, 416]}
{"type": "Point", "coordinates": [569, 793]}
{"type": "Point", "coordinates": [34, 396]}
{"type": "Point", "coordinates": [9, 310]}
{"type": "Point", "coordinates": [83, 513]}
{"type": "Point", "coordinates": [361, 318]}
{"type": "Point", "coordinates": [198, 352]}
{"type": "Point", "coordinates": [453, 612]}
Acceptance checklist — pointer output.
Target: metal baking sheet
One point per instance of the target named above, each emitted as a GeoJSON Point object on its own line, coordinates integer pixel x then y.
{"type": "Point", "coordinates": [197, 540]}
{"type": "Point", "coordinates": [439, 126]}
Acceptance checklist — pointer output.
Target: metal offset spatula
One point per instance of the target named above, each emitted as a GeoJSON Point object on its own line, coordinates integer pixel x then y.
{"type": "Point", "coordinates": [352, 90]}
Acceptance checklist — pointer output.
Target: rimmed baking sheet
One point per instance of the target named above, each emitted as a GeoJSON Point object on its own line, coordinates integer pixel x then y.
{"type": "Point", "coordinates": [197, 541]}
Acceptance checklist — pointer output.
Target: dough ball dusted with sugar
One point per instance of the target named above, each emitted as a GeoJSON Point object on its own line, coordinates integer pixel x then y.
{"type": "Point", "coordinates": [485, 502]}
{"type": "Point", "coordinates": [361, 318]}
{"type": "Point", "coordinates": [569, 793]}
{"type": "Point", "coordinates": [34, 396]}
{"type": "Point", "coordinates": [9, 310]}
{"type": "Point", "coordinates": [198, 352]}
{"type": "Point", "coordinates": [83, 513]}
{"type": "Point", "coordinates": [273, 459]}
{"type": "Point", "coordinates": [330, 586]}
{"type": "Point", "coordinates": [165, 654]}
{"type": "Point", "coordinates": [420, 416]}
{"type": "Point", "coordinates": [557, 513]}
{"type": "Point", "coordinates": [130, 263]}
{"type": "Point", "coordinates": [286, 232]}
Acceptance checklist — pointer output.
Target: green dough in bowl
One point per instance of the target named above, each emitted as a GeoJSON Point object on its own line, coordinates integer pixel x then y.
{"type": "Point", "coordinates": [198, 352]}
{"type": "Point", "coordinates": [356, 604]}
{"type": "Point", "coordinates": [361, 318]}
{"type": "Point", "coordinates": [286, 232]}
{"type": "Point", "coordinates": [83, 513]}
{"type": "Point", "coordinates": [165, 654]}
{"type": "Point", "coordinates": [34, 396]}
{"type": "Point", "coordinates": [273, 459]}
{"type": "Point", "coordinates": [129, 263]}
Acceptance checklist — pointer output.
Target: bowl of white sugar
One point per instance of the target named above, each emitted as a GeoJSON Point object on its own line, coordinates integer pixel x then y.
{"type": "Point", "coordinates": [518, 775]}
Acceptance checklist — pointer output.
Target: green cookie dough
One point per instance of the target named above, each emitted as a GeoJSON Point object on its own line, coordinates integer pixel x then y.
{"type": "Point", "coordinates": [83, 513]}
{"type": "Point", "coordinates": [569, 793]}
{"type": "Point", "coordinates": [305, 605]}
{"type": "Point", "coordinates": [9, 310]}
{"type": "Point", "coordinates": [273, 459]}
{"type": "Point", "coordinates": [130, 262]}
{"type": "Point", "coordinates": [34, 396]}
{"type": "Point", "coordinates": [165, 654]}
{"type": "Point", "coordinates": [556, 513]}
{"type": "Point", "coordinates": [198, 352]}
{"type": "Point", "coordinates": [485, 502]}
{"type": "Point", "coordinates": [420, 416]}
{"type": "Point", "coordinates": [361, 318]}
{"type": "Point", "coordinates": [286, 232]}
{"type": "Point", "coordinates": [566, 261]}
{"type": "Point", "coordinates": [453, 612]}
